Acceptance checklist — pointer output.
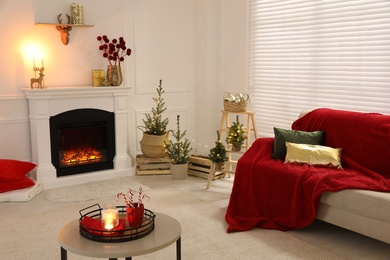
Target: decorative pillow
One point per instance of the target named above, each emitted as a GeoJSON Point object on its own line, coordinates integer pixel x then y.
{"type": "Point", "coordinates": [294, 136]}
{"type": "Point", "coordinates": [317, 155]}
{"type": "Point", "coordinates": [22, 183]}
{"type": "Point", "coordinates": [13, 170]}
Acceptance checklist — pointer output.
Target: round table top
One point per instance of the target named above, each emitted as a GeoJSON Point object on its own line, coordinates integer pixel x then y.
{"type": "Point", "coordinates": [167, 230]}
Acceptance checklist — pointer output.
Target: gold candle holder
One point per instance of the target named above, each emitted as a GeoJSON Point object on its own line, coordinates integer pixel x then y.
{"type": "Point", "coordinates": [38, 80]}
{"type": "Point", "coordinates": [76, 12]}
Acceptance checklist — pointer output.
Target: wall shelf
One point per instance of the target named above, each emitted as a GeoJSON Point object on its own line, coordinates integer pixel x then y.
{"type": "Point", "coordinates": [64, 29]}
{"type": "Point", "coordinates": [66, 24]}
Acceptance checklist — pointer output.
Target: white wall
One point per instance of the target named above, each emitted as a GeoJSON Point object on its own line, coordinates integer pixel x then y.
{"type": "Point", "coordinates": [197, 47]}
{"type": "Point", "coordinates": [221, 62]}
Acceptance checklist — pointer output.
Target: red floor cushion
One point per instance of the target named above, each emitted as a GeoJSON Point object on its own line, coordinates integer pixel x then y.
{"type": "Point", "coordinates": [13, 170]}
{"type": "Point", "coordinates": [25, 182]}
{"type": "Point", "coordinates": [13, 174]}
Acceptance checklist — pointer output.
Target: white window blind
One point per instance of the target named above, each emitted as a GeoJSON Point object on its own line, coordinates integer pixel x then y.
{"type": "Point", "coordinates": [310, 54]}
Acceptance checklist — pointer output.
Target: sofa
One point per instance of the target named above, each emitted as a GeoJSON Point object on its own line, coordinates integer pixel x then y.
{"type": "Point", "coordinates": [335, 167]}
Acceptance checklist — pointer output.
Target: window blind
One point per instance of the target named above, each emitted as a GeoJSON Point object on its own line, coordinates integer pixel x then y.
{"type": "Point", "coordinates": [311, 54]}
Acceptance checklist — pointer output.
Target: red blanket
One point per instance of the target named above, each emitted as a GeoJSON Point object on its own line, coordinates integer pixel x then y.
{"type": "Point", "coordinates": [364, 137]}
{"type": "Point", "coordinates": [270, 194]}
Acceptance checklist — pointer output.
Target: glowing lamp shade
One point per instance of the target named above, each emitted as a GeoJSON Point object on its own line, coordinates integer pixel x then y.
{"type": "Point", "coordinates": [109, 217]}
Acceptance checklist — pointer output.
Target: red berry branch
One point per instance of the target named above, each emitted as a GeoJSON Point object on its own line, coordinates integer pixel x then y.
{"type": "Point", "coordinates": [114, 51]}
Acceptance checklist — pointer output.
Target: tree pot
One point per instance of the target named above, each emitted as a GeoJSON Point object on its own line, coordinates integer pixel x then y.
{"type": "Point", "coordinates": [218, 166]}
{"type": "Point", "coordinates": [179, 171]}
{"type": "Point", "coordinates": [153, 145]}
{"type": "Point", "coordinates": [236, 147]}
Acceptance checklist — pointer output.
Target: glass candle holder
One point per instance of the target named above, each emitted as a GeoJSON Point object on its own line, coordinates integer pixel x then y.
{"type": "Point", "coordinates": [109, 217]}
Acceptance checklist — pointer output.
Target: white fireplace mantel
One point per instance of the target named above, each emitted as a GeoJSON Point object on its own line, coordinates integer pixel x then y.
{"type": "Point", "coordinates": [44, 103]}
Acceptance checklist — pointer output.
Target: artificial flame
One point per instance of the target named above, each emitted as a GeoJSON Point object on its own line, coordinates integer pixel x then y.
{"type": "Point", "coordinates": [81, 156]}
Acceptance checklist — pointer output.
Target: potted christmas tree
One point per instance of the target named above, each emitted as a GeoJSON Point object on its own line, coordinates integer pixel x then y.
{"type": "Point", "coordinates": [155, 132]}
{"type": "Point", "coordinates": [218, 153]}
{"type": "Point", "coordinates": [236, 135]}
{"type": "Point", "coordinates": [179, 152]}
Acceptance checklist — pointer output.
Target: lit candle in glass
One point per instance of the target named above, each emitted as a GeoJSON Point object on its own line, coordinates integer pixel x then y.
{"type": "Point", "coordinates": [109, 217]}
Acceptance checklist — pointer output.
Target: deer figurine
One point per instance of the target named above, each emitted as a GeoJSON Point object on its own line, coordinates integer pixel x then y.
{"type": "Point", "coordinates": [38, 80]}
{"type": "Point", "coordinates": [64, 29]}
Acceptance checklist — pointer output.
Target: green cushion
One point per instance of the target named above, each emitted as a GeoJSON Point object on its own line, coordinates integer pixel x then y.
{"type": "Point", "coordinates": [294, 136]}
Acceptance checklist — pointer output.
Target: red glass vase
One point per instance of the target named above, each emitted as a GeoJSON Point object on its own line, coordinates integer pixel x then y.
{"type": "Point", "coordinates": [135, 216]}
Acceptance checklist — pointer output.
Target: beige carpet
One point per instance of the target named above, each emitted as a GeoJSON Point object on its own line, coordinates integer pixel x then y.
{"type": "Point", "coordinates": [94, 190]}
{"type": "Point", "coordinates": [29, 229]}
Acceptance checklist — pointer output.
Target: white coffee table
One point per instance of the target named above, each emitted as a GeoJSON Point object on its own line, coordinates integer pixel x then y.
{"type": "Point", "coordinates": [167, 230]}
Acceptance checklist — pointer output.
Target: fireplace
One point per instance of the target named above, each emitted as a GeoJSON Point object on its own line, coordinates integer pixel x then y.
{"type": "Point", "coordinates": [82, 140]}
{"type": "Point", "coordinates": [89, 109]}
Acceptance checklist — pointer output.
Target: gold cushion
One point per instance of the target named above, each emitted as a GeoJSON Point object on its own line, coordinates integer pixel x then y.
{"type": "Point", "coordinates": [313, 155]}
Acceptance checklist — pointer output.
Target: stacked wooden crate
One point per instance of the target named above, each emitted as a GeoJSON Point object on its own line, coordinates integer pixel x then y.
{"type": "Point", "coordinates": [152, 166]}
{"type": "Point", "coordinates": [200, 166]}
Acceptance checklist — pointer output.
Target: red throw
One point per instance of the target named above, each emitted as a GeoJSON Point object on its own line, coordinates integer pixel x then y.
{"type": "Point", "coordinates": [270, 194]}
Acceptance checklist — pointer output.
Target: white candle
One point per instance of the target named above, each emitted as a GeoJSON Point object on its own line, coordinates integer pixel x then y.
{"type": "Point", "coordinates": [34, 62]}
{"type": "Point", "coordinates": [110, 217]}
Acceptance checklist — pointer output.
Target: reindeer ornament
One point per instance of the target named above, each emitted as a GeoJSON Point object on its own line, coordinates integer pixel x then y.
{"type": "Point", "coordinates": [38, 80]}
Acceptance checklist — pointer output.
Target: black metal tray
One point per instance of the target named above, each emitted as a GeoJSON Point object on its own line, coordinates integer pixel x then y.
{"type": "Point", "coordinates": [127, 234]}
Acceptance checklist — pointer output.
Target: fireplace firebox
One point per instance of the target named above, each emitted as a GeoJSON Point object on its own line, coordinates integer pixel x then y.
{"type": "Point", "coordinates": [82, 140]}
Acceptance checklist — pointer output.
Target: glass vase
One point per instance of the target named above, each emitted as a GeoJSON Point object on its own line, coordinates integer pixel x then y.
{"type": "Point", "coordinates": [114, 75]}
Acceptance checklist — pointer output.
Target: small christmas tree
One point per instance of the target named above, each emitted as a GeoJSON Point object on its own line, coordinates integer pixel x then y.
{"type": "Point", "coordinates": [178, 151]}
{"type": "Point", "coordinates": [236, 135]}
{"type": "Point", "coordinates": [154, 125]}
{"type": "Point", "coordinates": [218, 152]}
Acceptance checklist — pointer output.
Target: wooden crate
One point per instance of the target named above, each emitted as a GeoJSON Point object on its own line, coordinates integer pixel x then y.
{"type": "Point", "coordinates": [200, 166]}
{"type": "Point", "coordinates": [152, 166]}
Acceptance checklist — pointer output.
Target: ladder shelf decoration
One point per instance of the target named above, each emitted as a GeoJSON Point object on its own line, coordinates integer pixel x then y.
{"type": "Point", "coordinates": [249, 128]}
